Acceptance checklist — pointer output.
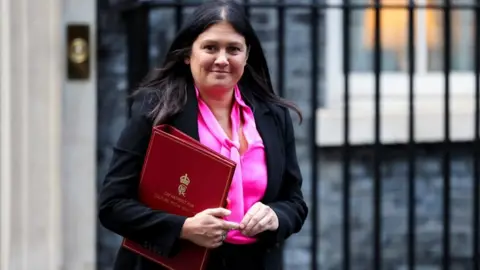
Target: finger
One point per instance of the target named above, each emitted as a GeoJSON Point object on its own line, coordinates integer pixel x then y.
{"type": "Point", "coordinates": [255, 218]}
{"type": "Point", "coordinates": [261, 226]}
{"type": "Point", "coordinates": [218, 238]}
{"type": "Point", "coordinates": [216, 212]}
{"type": "Point", "coordinates": [216, 244]}
{"type": "Point", "coordinates": [250, 213]}
{"type": "Point", "coordinates": [261, 220]}
{"type": "Point", "coordinates": [211, 234]}
{"type": "Point", "coordinates": [216, 241]}
{"type": "Point", "coordinates": [229, 225]}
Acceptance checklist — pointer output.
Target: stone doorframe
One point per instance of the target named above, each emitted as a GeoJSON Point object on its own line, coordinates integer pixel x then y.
{"type": "Point", "coordinates": [47, 139]}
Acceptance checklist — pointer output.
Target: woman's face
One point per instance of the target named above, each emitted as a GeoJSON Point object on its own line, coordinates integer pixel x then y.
{"type": "Point", "coordinates": [218, 58]}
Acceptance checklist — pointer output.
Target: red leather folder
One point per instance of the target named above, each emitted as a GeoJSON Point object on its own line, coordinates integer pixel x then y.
{"type": "Point", "coordinates": [182, 177]}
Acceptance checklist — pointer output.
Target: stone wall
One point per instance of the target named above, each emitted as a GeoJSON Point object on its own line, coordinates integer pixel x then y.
{"type": "Point", "coordinates": [112, 115]}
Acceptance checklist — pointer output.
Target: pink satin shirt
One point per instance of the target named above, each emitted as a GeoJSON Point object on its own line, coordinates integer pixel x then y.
{"type": "Point", "coordinates": [250, 177]}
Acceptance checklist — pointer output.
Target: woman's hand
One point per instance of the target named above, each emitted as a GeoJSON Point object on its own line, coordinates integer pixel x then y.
{"type": "Point", "coordinates": [207, 229]}
{"type": "Point", "coordinates": [259, 218]}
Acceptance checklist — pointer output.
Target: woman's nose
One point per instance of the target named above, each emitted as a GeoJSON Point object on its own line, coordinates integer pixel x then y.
{"type": "Point", "coordinates": [221, 59]}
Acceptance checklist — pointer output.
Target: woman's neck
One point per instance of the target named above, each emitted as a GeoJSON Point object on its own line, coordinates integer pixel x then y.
{"type": "Point", "coordinates": [219, 102]}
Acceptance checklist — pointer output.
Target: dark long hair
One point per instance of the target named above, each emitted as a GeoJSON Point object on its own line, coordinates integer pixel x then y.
{"type": "Point", "coordinates": [169, 83]}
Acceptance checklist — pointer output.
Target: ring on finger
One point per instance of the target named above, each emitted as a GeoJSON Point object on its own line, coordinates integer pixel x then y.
{"type": "Point", "coordinates": [224, 235]}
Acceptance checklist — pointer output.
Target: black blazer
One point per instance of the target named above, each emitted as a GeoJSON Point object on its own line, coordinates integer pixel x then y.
{"type": "Point", "coordinates": [120, 212]}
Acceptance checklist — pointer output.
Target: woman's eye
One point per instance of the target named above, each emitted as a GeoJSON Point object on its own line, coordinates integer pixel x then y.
{"type": "Point", "coordinates": [209, 48]}
{"type": "Point", "coordinates": [234, 49]}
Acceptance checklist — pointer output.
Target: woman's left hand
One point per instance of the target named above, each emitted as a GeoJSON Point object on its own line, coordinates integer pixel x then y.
{"type": "Point", "coordinates": [259, 218]}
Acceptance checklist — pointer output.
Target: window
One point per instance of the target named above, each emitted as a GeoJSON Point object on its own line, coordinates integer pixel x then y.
{"type": "Point", "coordinates": [429, 41]}
{"type": "Point", "coordinates": [429, 78]}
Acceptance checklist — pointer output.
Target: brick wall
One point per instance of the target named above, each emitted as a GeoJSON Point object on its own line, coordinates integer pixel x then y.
{"type": "Point", "coordinates": [429, 187]}
{"type": "Point", "coordinates": [112, 116]}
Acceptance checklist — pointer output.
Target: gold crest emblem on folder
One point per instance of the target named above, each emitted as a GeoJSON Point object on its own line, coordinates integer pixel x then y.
{"type": "Point", "coordinates": [182, 188]}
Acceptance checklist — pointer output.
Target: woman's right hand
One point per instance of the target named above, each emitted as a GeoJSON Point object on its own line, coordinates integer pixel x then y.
{"type": "Point", "coordinates": [207, 228]}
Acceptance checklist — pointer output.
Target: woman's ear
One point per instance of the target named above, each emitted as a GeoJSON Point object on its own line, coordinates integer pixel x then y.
{"type": "Point", "coordinates": [187, 55]}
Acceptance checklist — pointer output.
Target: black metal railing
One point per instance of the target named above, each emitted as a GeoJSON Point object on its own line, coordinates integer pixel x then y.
{"type": "Point", "coordinates": [137, 21]}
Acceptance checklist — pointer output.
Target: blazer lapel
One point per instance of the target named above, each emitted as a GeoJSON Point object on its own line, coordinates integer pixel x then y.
{"type": "Point", "coordinates": [268, 130]}
{"type": "Point", "coordinates": [186, 120]}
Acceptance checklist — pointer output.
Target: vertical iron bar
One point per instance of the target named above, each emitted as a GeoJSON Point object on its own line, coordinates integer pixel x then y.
{"type": "Point", "coordinates": [346, 135]}
{"type": "Point", "coordinates": [179, 15]}
{"type": "Point", "coordinates": [281, 48]}
{"type": "Point", "coordinates": [137, 29]}
{"type": "Point", "coordinates": [313, 134]}
{"type": "Point", "coordinates": [446, 144]}
{"type": "Point", "coordinates": [476, 145]}
{"type": "Point", "coordinates": [411, 138]}
{"type": "Point", "coordinates": [377, 185]}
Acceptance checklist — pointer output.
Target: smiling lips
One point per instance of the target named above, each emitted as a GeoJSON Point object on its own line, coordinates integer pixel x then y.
{"type": "Point", "coordinates": [220, 71]}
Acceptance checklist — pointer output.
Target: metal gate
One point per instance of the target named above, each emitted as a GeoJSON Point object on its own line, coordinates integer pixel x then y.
{"type": "Point", "coordinates": [138, 27]}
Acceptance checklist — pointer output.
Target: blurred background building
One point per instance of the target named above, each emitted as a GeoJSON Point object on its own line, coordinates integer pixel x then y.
{"type": "Point", "coordinates": [389, 187]}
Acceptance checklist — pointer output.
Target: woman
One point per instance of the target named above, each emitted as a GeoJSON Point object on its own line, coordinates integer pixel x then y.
{"type": "Point", "coordinates": [215, 87]}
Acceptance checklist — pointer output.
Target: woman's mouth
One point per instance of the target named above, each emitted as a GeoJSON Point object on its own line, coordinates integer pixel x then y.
{"type": "Point", "coordinates": [220, 71]}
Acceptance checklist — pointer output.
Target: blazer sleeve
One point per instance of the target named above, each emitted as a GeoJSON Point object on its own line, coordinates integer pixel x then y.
{"type": "Point", "coordinates": [119, 208]}
{"type": "Point", "coordinates": [290, 207]}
